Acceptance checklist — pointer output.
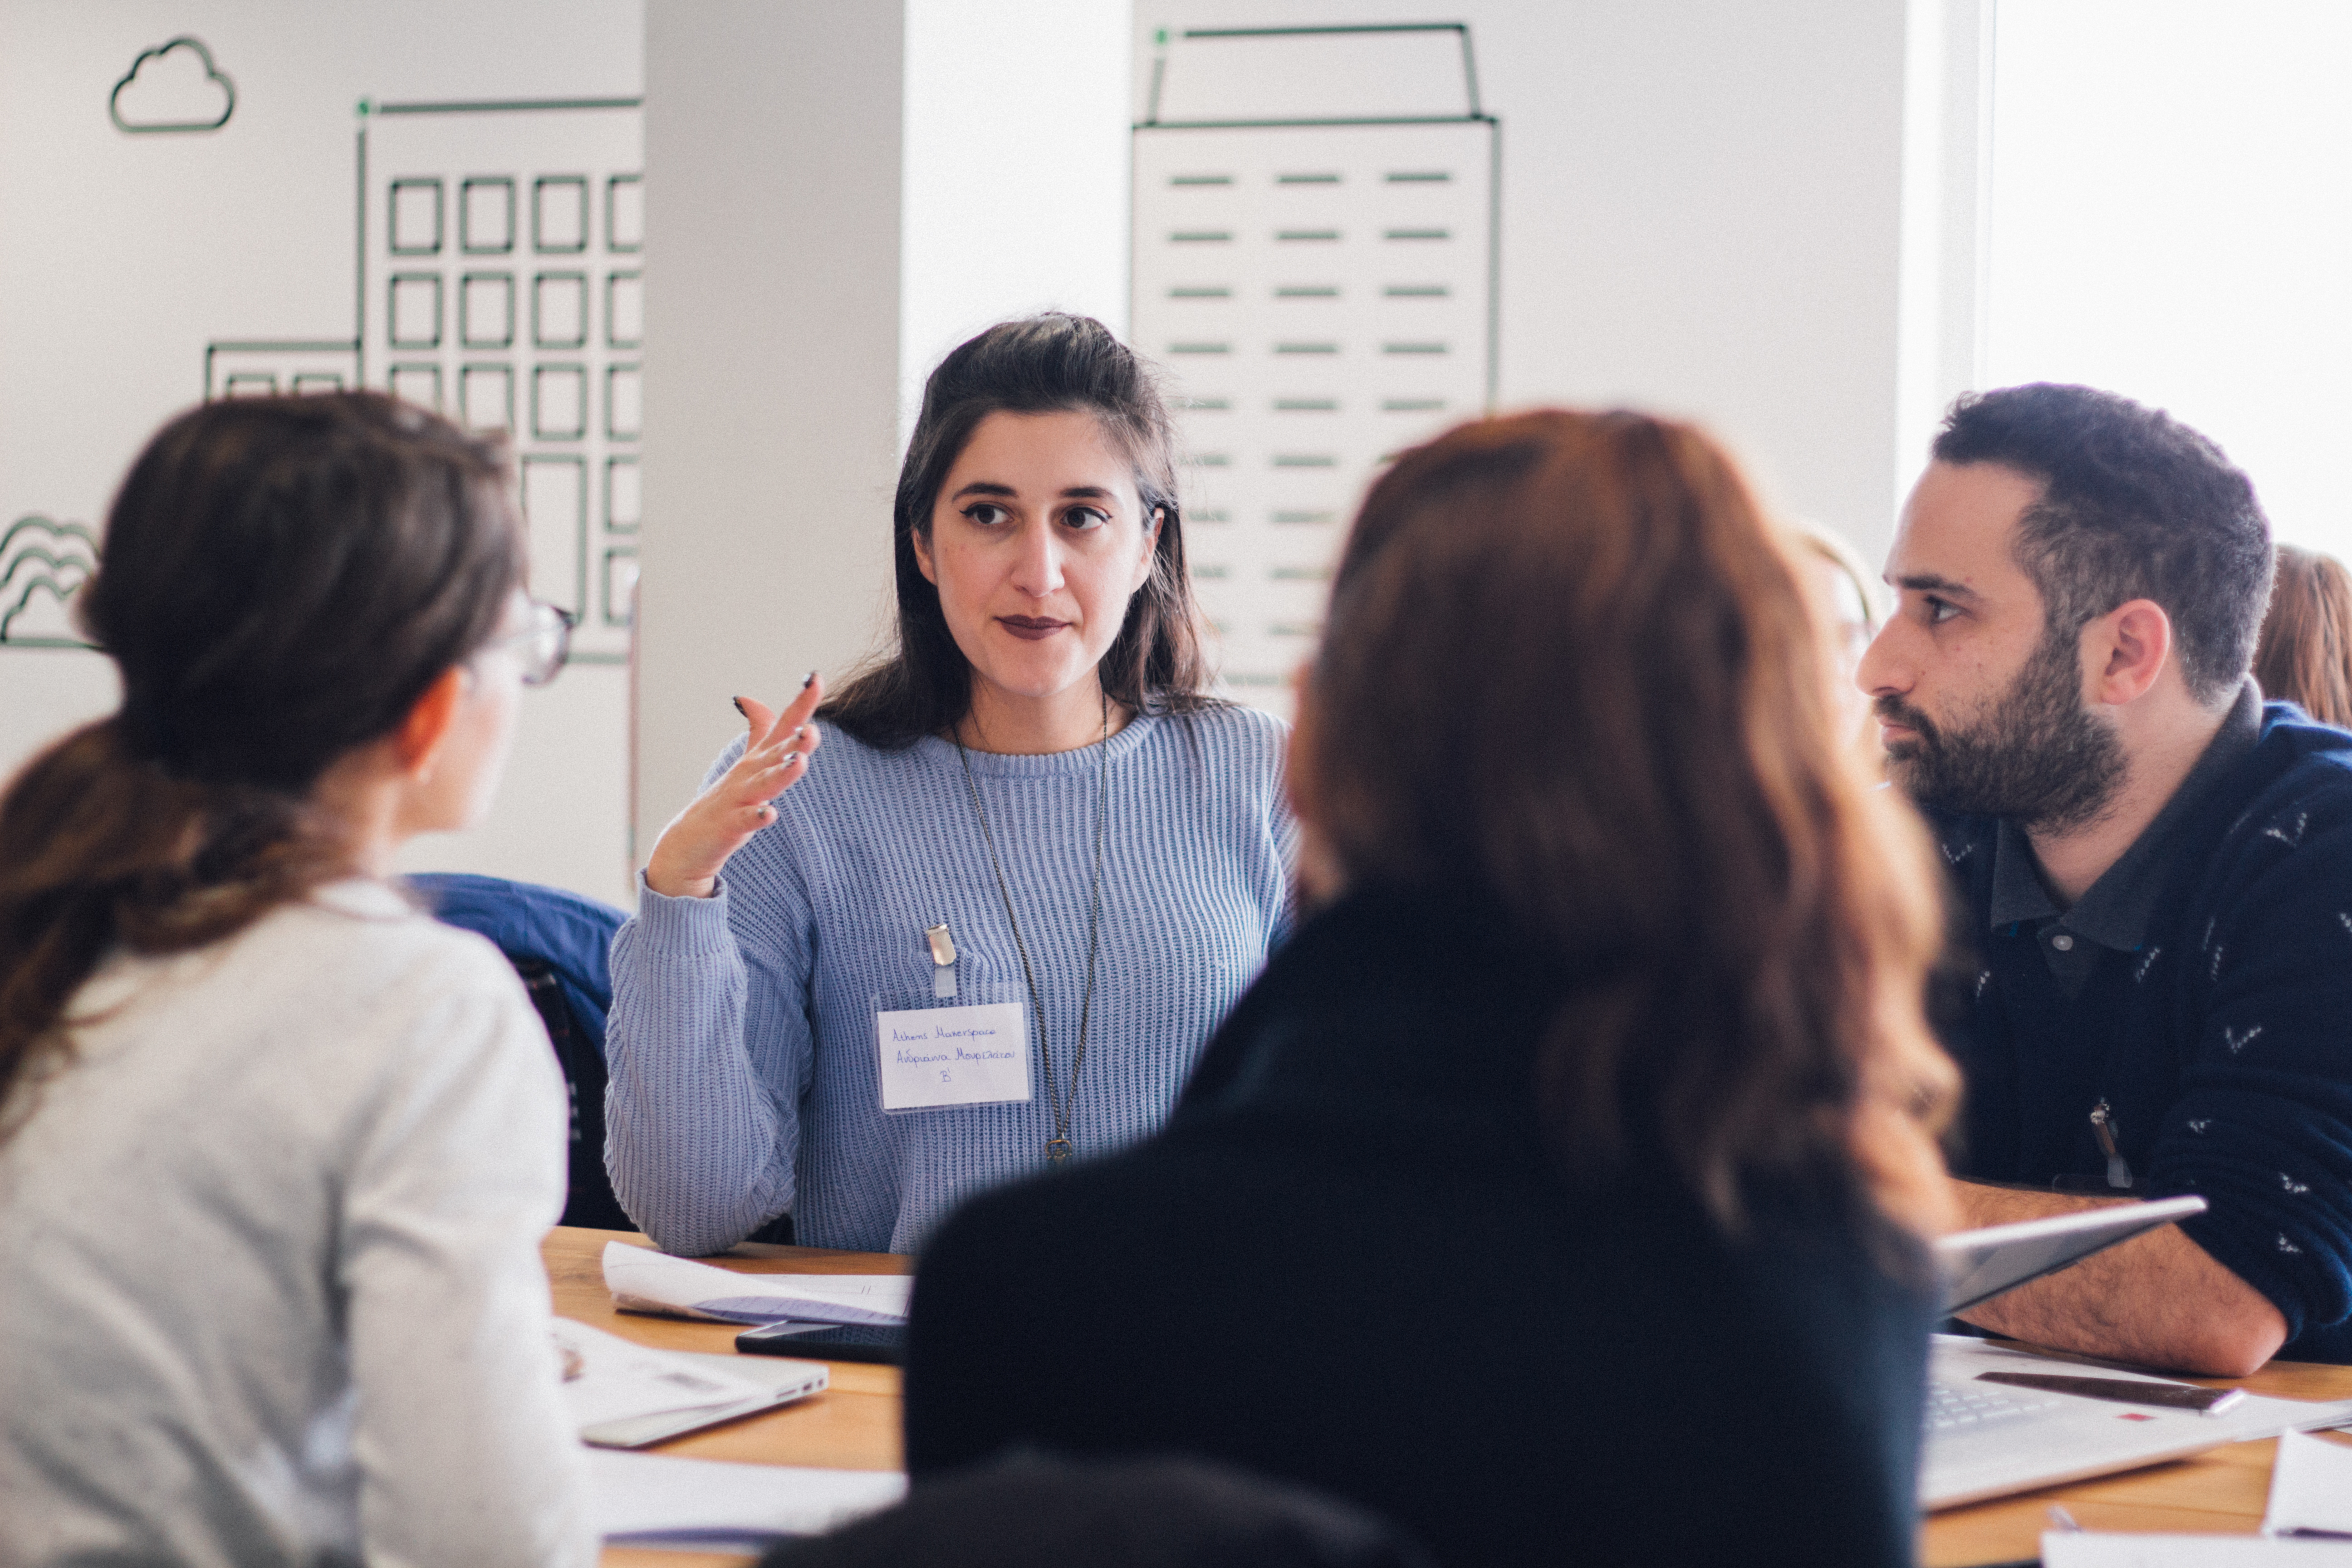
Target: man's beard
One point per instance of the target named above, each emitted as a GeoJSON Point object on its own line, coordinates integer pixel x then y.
{"type": "Point", "coordinates": [2037, 755]}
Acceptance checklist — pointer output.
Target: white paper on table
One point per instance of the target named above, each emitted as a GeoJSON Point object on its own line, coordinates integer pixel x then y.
{"type": "Point", "coordinates": [651, 1281]}
{"type": "Point", "coordinates": [2311, 1487]}
{"type": "Point", "coordinates": [654, 1500]}
{"type": "Point", "coordinates": [2105, 1549]}
{"type": "Point", "coordinates": [626, 1394]}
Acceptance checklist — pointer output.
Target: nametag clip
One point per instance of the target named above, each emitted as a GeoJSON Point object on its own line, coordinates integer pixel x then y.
{"type": "Point", "coordinates": [943, 960]}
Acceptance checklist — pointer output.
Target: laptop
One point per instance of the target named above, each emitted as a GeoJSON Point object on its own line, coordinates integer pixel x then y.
{"type": "Point", "coordinates": [1979, 1265]}
{"type": "Point", "coordinates": [1989, 1440]}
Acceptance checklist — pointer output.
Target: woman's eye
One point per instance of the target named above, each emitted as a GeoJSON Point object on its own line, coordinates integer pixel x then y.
{"type": "Point", "coordinates": [988, 514]}
{"type": "Point", "coordinates": [1084, 518]}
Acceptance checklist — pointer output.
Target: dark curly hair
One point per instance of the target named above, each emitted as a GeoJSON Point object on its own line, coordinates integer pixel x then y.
{"type": "Point", "coordinates": [2134, 505]}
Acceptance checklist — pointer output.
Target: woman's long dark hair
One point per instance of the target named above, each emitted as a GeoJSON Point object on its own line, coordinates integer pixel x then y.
{"type": "Point", "coordinates": [281, 581]}
{"type": "Point", "coordinates": [1569, 668]}
{"type": "Point", "coordinates": [1039, 365]}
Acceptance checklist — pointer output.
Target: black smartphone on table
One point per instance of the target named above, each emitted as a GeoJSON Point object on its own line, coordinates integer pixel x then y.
{"type": "Point", "coordinates": [883, 1342]}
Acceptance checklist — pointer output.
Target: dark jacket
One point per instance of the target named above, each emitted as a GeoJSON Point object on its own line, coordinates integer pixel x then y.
{"type": "Point", "coordinates": [1031, 1511]}
{"type": "Point", "coordinates": [1348, 1262]}
{"type": "Point", "coordinates": [2217, 1026]}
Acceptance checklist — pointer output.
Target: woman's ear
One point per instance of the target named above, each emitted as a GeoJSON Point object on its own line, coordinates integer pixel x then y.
{"type": "Point", "coordinates": [1150, 549]}
{"type": "Point", "coordinates": [418, 744]}
{"type": "Point", "coordinates": [921, 541]}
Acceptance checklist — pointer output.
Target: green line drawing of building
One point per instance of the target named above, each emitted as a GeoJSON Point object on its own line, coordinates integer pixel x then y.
{"type": "Point", "coordinates": [497, 278]}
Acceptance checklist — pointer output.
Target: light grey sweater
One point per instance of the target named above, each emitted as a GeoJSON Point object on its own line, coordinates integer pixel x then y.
{"type": "Point", "coordinates": [269, 1276]}
{"type": "Point", "coordinates": [742, 1047]}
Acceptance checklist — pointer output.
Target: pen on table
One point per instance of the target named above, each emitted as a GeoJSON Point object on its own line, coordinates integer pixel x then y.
{"type": "Point", "coordinates": [2103, 1127]}
{"type": "Point", "coordinates": [2164, 1395]}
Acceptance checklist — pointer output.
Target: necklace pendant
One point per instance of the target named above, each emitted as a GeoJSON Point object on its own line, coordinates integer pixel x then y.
{"type": "Point", "coordinates": [1057, 1150]}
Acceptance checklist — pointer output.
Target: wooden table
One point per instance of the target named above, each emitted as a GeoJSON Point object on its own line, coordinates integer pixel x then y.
{"type": "Point", "coordinates": [854, 1425]}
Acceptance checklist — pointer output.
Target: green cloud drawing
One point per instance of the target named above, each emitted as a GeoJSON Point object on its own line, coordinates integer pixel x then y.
{"type": "Point", "coordinates": [173, 87]}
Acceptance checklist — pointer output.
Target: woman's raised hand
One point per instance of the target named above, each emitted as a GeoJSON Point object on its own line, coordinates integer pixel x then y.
{"type": "Point", "coordinates": [722, 819]}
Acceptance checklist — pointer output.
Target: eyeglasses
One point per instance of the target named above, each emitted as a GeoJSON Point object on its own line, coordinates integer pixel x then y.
{"type": "Point", "coordinates": [545, 644]}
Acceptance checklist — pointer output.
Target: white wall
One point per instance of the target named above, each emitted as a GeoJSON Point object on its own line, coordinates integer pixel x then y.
{"type": "Point", "coordinates": [2171, 218]}
{"type": "Point", "coordinates": [1947, 230]}
{"type": "Point", "coordinates": [837, 196]}
{"type": "Point", "coordinates": [1701, 214]}
{"type": "Point", "coordinates": [1014, 193]}
{"type": "Point", "coordinates": [772, 137]}
{"type": "Point", "coordinates": [123, 256]}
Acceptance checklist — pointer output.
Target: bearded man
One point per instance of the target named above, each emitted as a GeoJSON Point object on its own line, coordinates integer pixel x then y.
{"type": "Point", "coordinates": [2155, 871]}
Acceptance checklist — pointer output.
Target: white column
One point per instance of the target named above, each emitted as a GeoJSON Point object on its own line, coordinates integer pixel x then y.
{"type": "Point", "coordinates": [1015, 196]}
{"type": "Point", "coordinates": [1946, 173]}
{"type": "Point", "coordinates": [837, 194]}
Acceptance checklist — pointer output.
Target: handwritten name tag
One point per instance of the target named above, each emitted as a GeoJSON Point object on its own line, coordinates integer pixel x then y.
{"type": "Point", "coordinates": [933, 1057]}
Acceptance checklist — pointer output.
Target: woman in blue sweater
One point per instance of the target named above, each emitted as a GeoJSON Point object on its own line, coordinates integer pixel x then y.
{"type": "Point", "coordinates": [994, 927]}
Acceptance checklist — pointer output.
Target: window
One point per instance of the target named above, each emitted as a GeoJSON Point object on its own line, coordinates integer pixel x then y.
{"type": "Point", "coordinates": [2171, 210]}
{"type": "Point", "coordinates": [486, 311]}
{"type": "Point", "coordinates": [414, 218]}
{"type": "Point", "coordinates": [560, 213]}
{"type": "Point", "coordinates": [486, 217]}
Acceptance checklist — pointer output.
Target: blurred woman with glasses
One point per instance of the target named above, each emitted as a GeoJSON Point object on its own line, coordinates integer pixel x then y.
{"type": "Point", "coordinates": [276, 1149]}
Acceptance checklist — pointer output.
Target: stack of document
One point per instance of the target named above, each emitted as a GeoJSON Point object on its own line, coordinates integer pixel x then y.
{"type": "Point", "coordinates": [643, 1280]}
{"type": "Point", "coordinates": [2311, 1501]}
{"type": "Point", "coordinates": [2311, 1490]}
{"type": "Point", "coordinates": [625, 1395]}
{"type": "Point", "coordinates": [652, 1499]}
{"type": "Point", "coordinates": [2105, 1548]}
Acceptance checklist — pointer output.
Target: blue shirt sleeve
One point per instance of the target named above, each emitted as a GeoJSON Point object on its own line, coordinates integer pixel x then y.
{"type": "Point", "coordinates": [2263, 1129]}
{"type": "Point", "coordinates": [707, 1048]}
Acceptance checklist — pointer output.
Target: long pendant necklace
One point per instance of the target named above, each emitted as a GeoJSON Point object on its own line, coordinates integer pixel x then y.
{"type": "Point", "coordinates": [1062, 1106]}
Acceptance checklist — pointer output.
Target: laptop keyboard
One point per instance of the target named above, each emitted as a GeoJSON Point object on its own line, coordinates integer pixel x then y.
{"type": "Point", "coordinates": [1958, 1409]}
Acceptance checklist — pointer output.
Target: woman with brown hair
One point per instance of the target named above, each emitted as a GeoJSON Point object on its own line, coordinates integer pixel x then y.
{"type": "Point", "coordinates": [993, 925]}
{"type": "Point", "coordinates": [2305, 653]}
{"type": "Point", "coordinates": [1557, 1190]}
{"type": "Point", "coordinates": [276, 1149]}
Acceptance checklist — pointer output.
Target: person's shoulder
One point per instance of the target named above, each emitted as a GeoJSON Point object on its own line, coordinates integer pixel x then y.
{"type": "Point", "coordinates": [349, 984]}
{"type": "Point", "coordinates": [1236, 725]}
{"type": "Point", "coordinates": [845, 761]}
{"type": "Point", "coordinates": [2291, 793]}
{"type": "Point", "coordinates": [359, 936]}
{"type": "Point", "coordinates": [2301, 758]}
{"type": "Point", "coordinates": [1232, 743]}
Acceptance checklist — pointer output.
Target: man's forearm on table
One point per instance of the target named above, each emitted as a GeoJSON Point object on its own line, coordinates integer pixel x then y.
{"type": "Point", "coordinates": [2158, 1299]}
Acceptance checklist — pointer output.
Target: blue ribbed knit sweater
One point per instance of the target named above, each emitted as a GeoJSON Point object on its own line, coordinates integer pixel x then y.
{"type": "Point", "coordinates": [742, 1045]}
